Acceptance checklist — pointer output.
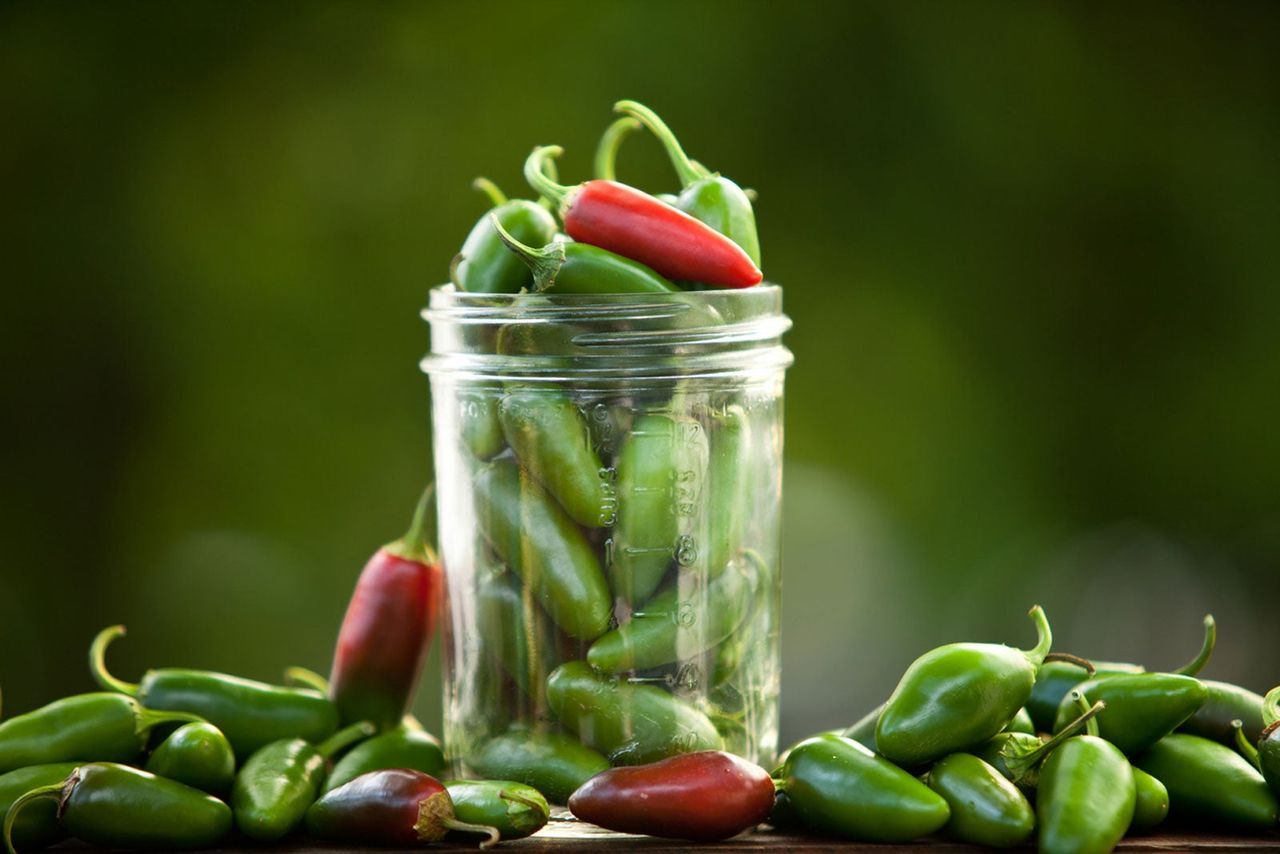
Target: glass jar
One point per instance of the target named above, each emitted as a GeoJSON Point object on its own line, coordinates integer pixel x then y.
{"type": "Point", "coordinates": [609, 472]}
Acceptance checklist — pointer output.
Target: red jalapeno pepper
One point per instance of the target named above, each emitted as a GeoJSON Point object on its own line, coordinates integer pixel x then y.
{"type": "Point", "coordinates": [388, 625]}
{"type": "Point", "coordinates": [638, 226]}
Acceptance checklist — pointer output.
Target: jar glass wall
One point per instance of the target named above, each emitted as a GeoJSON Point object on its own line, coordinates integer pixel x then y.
{"type": "Point", "coordinates": [608, 471]}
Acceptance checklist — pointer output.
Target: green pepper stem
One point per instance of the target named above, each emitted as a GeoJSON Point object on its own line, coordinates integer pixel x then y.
{"type": "Point", "coordinates": [491, 190]}
{"type": "Point", "coordinates": [53, 792]}
{"type": "Point", "coordinates": [98, 662]}
{"type": "Point", "coordinates": [1019, 763]}
{"type": "Point", "coordinates": [687, 170]}
{"type": "Point", "coordinates": [1247, 750]}
{"type": "Point", "coordinates": [610, 141]}
{"type": "Point", "coordinates": [1084, 663]}
{"type": "Point", "coordinates": [1082, 703]}
{"type": "Point", "coordinates": [1271, 707]}
{"type": "Point", "coordinates": [1044, 636]}
{"type": "Point", "coordinates": [468, 827]}
{"type": "Point", "coordinates": [545, 262]}
{"type": "Point", "coordinates": [1195, 665]}
{"type": "Point", "coordinates": [535, 173]}
{"type": "Point", "coordinates": [419, 542]}
{"type": "Point", "coordinates": [344, 738]}
{"type": "Point", "coordinates": [148, 719]}
{"type": "Point", "coordinates": [306, 678]}
{"type": "Point", "coordinates": [521, 799]}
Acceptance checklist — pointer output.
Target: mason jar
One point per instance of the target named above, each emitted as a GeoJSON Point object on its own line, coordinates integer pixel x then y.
{"type": "Point", "coordinates": [609, 472]}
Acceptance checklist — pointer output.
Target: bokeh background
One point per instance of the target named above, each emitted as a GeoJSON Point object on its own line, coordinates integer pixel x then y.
{"type": "Point", "coordinates": [1030, 251]}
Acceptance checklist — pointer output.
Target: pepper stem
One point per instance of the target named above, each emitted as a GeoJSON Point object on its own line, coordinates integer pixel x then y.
{"type": "Point", "coordinates": [419, 542]}
{"type": "Point", "coordinates": [1018, 761]}
{"type": "Point", "coordinates": [687, 170]}
{"type": "Point", "coordinates": [344, 738]}
{"type": "Point", "coordinates": [98, 662]}
{"type": "Point", "coordinates": [535, 173]}
{"type": "Point", "coordinates": [1073, 659]}
{"type": "Point", "coordinates": [1247, 750]}
{"type": "Point", "coordinates": [305, 678]}
{"type": "Point", "coordinates": [467, 827]}
{"type": "Point", "coordinates": [521, 799]}
{"type": "Point", "coordinates": [53, 792]}
{"type": "Point", "coordinates": [1271, 708]}
{"type": "Point", "coordinates": [1195, 665]}
{"type": "Point", "coordinates": [491, 190]}
{"type": "Point", "coordinates": [148, 719]}
{"type": "Point", "coordinates": [545, 262]}
{"type": "Point", "coordinates": [1044, 636]}
{"type": "Point", "coordinates": [610, 142]}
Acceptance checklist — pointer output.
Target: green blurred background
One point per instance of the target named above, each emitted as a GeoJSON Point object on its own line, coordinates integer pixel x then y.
{"type": "Point", "coordinates": [1029, 248]}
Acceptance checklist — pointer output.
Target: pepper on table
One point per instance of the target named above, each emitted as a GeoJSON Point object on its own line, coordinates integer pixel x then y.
{"type": "Point", "coordinates": [986, 808]}
{"type": "Point", "coordinates": [36, 826]}
{"type": "Point", "coordinates": [638, 226]}
{"type": "Point", "coordinates": [514, 809]}
{"type": "Point", "coordinates": [198, 755]}
{"type": "Point", "coordinates": [115, 806]}
{"type": "Point", "coordinates": [1210, 785]}
{"type": "Point", "coordinates": [1223, 704]}
{"type": "Point", "coordinates": [249, 713]}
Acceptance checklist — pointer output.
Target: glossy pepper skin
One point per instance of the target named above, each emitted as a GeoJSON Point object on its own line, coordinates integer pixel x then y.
{"type": "Point", "coordinates": [403, 747]}
{"type": "Point", "coordinates": [665, 629]}
{"type": "Point", "coordinates": [484, 265]}
{"type": "Point", "coordinates": [553, 763]}
{"type": "Point", "coordinates": [279, 782]}
{"type": "Point", "coordinates": [533, 536]}
{"type": "Point", "coordinates": [986, 809]}
{"type": "Point", "coordinates": [1021, 723]}
{"type": "Point", "coordinates": [36, 826]}
{"type": "Point", "coordinates": [513, 809]}
{"type": "Point", "coordinates": [705, 797]}
{"type": "Point", "coordinates": [1085, 799]}
{"type": "Point", "coordinates": [250, 714]}
{"type": "Point", "coordinates": [836, 786]}
{"type": "Point", "coordinates": [83, 728]}
{"type": "Point", "coordinates": [1269, 740]}
{"type": "Point", "coordinates": [706, 196]}
{"type": "Point", "coordinates": [631, 724]}
{"type": "Point", "coordinates": [198, 755]}
{"type": "Point", "coordinates": [638, 226]}
{"type": "Point", "coordinates": [580, 268]}
{"type": "Point", "coordinates": [1141, 708]}
{"type": "Point", "coordinates": [1223, 704]}
{"type": "Point", "coordinates": [396, 806]}
{"type": "Point", "coordinates": [115, 806]}
{"type": "Point", "coordinates": [388, 625]}
{"type": "Point", "coordinates": [1055, 680]}
{"type": "Point", "coordinates": [553, 444]}
{"type": "Point", "coordinates": [1151, 802]}
{"type": "Point", "coordinates": [1210, 785]}
{"type": "Point", "coordinates": [958, 696]}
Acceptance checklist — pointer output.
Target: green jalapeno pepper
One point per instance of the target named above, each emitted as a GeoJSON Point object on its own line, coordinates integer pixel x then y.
{"type": "Point", "coordinates": [484, 265]}
{"type": "Point", "coordinates": [1055, 680]}
{"type": "Point", "coordinates": [631, 724]}
{"type": "Point", "coordinates": [1269, 740]}
{"type": "Point", "coordinates": [198, 755]}
{"type": "Point", "coordinates": [986, 809]}
{"type": "Point", "coordinates": [711, 198]}
{"type": "Point", "coordinates": [115, 806]}
{"type": "Point", "coordinates": [250, 714]}
{"type": "Point", "coordinates": [37, 825]}
{"type": "Point", "coordinates": [606, 158]}
{"type": "Point", "coordinates": [958, 696]}
{"type": "Point", "coordinates": [479, 425]}
{"type": "Point", "coordinates": [280, 781]}
{"type": "Point", "coordinates": [515, 809]}
{"type": "Point", "coordinates": [1223, 704]}
{"type": "Point", "coordinates": [1210, 785]}
{"type": "Point", "coordinates": [836, 786]}
{"type": "Point", "coordinates": [580, 268]}
{"type": "Point", "coordinates": [83, 728]}
{"type": "Point", "coordinates": [553, 763]}
{"type": "Point", "coordinates": [514, 627]}
{"type": "Point", "coordinates": [553, 444]}
{"type": "Point", "coordinates": [1085, 799]}
{"type": "Point", "coordinates": [1021, 723]}
{"type": "Point", "coordinates": [402, 747]}
{"type": "Point", "coordinates": [1018, 755]}
{"type": "Point", "coordinates": [541, 544]}
{"type": "Point", "coordinates": [728, 469]}
{"type": "Point", "coordinates": [1151, 802]}
{"type": "Point", "coordinates": [1141, 708]}
{"type": "Point", "coordinates": [680, 623]}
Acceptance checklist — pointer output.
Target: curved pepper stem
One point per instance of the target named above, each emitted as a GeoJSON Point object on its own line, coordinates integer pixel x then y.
{"type": "Point", "coordinates": [1195, 665]}
{"type": "Point", "coordinates": [545, 262]}
{"type": "Point", "coordinates": [687, 170]}
{"type": "Point", "coordinates": [536, 173]}
{"type": "Point", "coordinates": [1247, 750]}
{"type": "Point", "coordinates": [419, 542]}
{"type": "Point", "coordinates": [1082, 703]}
{"type": "Point", "coordinates": [610, 141]}
{"type": "Point", "coordinates": [1044, 636]}
{"type": "Point", "coordinates": [344, 738]}
{"type": "Point", "coordinates": [55, 792]}
{"type": "Point", "coordinates": [522, 800]}
{"type": "Point", "coordinates": [148, 719]}
{"type": "Point", "coordinates": [1271, 708]}
{"type": "Point", "coordinates": [1073, 659]}
{"type": "Point", "coordinates": [306, 678]}
{"type": "Point", "coordinates": [1019, 761]}
{"type": "Point", "coordinates": [491, 190]}
{"type": "Point", "coordinates": [98, 662]}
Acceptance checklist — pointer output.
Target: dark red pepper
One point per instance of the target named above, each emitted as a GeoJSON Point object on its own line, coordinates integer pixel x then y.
{"type": "Point", "coordinates": [703, 796]}
{"type": "Point", "coordinates": [643, 228]}
{"type": "Point", "coordinates": [388, 626]}
{"type": "Point", "coordinates": [395, 806]}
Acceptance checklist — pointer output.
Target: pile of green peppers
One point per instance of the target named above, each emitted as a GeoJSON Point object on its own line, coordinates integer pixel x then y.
{"type": "Point", "coordinates": [994, 746]}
